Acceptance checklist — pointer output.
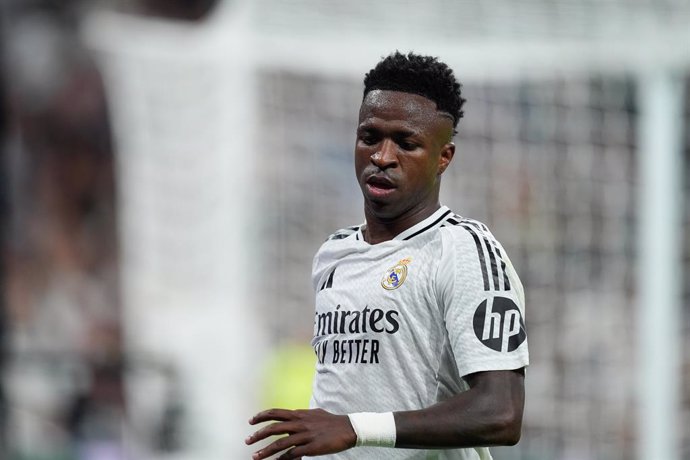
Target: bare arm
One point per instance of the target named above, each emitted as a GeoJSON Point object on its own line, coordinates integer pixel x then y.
{"type": "Point", "coordinates": [488, 414]}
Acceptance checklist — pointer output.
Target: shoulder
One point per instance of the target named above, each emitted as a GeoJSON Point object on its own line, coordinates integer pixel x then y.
{"type": "Point", "coordinates": [458, 221]}
{"type": "Point", "coordinates": [337, 242]}
{"type": "Point", "coordinates": [343, 233]}
{"type": "Point", "coordinates": [338, 245]}
{"type": "Point", "coordinates": [473, 247]}
{"type": "Point", "coordinates": [479, 256]}
{"type": "Point", "coordinates": [463, 231]}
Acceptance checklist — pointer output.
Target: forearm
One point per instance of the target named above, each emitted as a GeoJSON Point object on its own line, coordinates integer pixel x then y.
{"type": "Point", "coordinates": [443, 426]}
{"type": "Point", "coordinates": [488, 414]}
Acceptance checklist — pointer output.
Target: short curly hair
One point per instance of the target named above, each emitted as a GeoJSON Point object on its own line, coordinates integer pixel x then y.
{"type": "Point", "coordinates": [422, 75]}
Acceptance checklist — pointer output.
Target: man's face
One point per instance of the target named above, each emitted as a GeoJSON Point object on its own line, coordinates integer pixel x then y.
{"type": "Point", "coordinates": [403, 147]}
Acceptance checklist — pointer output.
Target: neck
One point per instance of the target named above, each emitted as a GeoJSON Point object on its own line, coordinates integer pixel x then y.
{"type": "Point", "coordinates": [380, 229]}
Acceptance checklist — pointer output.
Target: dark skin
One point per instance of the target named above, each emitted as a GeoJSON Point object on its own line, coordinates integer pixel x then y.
{"type": "Point", "coordinates": [403, 147]}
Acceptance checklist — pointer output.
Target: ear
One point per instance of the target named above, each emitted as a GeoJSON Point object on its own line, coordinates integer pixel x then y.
{"type": "Point", "coordinates": [447, 152]}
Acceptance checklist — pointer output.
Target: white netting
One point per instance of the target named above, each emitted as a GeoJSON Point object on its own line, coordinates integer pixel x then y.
{"type": "Point", "coordinates": [588, 20]}
{"type": "Point", "coordinates": [547, 159]}
{"type": "Point", "coordinates": [548, 166]}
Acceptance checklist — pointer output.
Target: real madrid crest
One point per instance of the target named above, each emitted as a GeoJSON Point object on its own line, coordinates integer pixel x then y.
{"type": "Point", "coordinates": [395, 276]}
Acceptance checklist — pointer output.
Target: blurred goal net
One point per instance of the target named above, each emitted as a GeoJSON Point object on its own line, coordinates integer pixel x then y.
{"type": "Point", "coordinates": [546, 156]}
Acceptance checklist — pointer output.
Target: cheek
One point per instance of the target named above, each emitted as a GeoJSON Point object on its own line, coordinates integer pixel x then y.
{"type": "Point", "coordinates": [421, 171]}
{"type": "Point", "coordinates": [361, 160]}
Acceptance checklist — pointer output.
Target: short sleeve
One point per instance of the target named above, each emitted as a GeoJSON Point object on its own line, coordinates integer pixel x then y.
{"type": "Point", "coordinates": [482, 301]}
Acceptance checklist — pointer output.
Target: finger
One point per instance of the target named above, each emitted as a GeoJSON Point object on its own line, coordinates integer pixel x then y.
{"type": "Point", "coordinates": [293, 454]}
{"type": "Point", "coordinates": [279, 445]}
{"type": "Point", "coordinates": [279, 415]}
{"type": "Point", "coordinates": [273, 429]}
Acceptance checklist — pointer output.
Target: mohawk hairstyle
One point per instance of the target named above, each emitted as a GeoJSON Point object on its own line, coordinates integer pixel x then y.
{"type": "Point", "coordinates": [422, 75]}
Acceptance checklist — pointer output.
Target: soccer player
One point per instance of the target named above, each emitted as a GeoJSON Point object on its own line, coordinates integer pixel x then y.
{"type": "Point", "coordinates": [419, 325]}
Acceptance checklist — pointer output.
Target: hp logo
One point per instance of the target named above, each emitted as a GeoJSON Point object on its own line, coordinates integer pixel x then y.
{"type": "Point", "coordinates": [499, 324]}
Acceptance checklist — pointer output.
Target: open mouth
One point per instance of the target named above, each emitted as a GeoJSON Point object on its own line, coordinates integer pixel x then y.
{"type": "Point", "coordinates": [379, 186]}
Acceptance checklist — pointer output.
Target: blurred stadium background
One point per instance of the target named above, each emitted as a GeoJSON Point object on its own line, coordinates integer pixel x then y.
{"type": "Point", "coordinates": [170, 167]}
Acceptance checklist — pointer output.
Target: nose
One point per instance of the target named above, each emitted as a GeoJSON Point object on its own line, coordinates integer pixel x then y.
{"type": "Point", "coordinates": [386, 156]}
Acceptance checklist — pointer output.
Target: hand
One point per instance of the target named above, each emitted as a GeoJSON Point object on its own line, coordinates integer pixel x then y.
{"type": "Point", "coordinates": [310, 432]}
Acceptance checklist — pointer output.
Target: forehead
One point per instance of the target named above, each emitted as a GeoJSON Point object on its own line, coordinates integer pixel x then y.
{"type": "Point", "coordinates": [407, 108]}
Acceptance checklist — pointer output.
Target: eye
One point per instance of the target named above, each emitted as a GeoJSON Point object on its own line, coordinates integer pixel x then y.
{"type": "Point", "coordinates": [367, 137]}
{"type": "Point", "coordinates": [407, 145]}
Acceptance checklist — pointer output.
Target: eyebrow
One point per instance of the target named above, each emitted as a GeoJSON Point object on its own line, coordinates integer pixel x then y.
{"type": "Point", "coordinates": [405, 132]}
{"type": "Point", "coordinates": [446, 115]}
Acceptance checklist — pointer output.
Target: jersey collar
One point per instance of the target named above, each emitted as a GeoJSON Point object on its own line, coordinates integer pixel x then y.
{"type": "Point", "coordinates": [433, 221]}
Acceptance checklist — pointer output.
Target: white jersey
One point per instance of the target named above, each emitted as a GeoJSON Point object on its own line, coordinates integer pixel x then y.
{"type": "Point", "coordinates": [398, 324]}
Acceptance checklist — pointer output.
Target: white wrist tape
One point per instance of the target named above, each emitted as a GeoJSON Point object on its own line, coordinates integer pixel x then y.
{"type": "Point", "coordinates": [374, 429]}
